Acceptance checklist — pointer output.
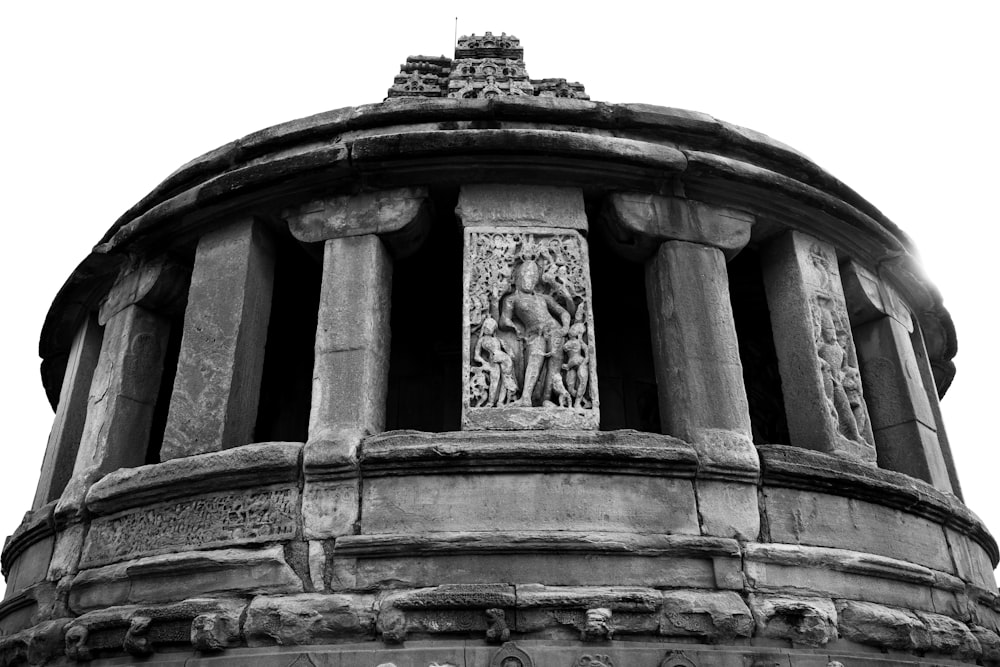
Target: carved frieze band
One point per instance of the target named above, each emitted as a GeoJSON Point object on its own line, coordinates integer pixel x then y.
{"type": "Point", "coordinates": [529, 355]}
{"type": "Point", "coordinates": [266, 515]}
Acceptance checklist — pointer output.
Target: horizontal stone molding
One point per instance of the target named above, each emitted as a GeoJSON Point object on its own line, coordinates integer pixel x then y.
{"type": "Point", "coordinates": [154, 579]}
{"type": "Point", "coordinates": [357, 546]}
{"type": "Point", "coordinates": [813, 471]}
{"type": "Point", "coordinates": [842, 560]}
{"type": "Point", "coordinates": [259, 464]}
{"type": "Point", "coordinates": [35, 526]}
{"type": "Point", "coordinates": [462, 452]}
{"type": "Point", "coordinates": [401, 143]}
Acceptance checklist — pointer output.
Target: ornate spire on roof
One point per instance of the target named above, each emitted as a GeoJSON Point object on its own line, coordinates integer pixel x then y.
{"type": "Point", "coordinates": [484, 67]}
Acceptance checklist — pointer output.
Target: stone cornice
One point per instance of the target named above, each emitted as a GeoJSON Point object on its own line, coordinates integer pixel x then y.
{"type": "Point", "coordinates": [407, 142]}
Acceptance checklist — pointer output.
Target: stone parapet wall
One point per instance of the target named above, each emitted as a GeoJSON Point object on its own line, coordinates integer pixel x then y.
{"type": "Point", "coordinates": [437, 566]}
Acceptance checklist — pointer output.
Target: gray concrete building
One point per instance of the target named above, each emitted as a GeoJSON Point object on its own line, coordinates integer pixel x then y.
{"type": "Point", "coordinates": [493, 375]}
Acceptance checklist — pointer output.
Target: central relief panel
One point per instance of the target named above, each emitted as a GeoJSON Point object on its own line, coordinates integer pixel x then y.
{"type": "Point", "coordinates": [529, 360]}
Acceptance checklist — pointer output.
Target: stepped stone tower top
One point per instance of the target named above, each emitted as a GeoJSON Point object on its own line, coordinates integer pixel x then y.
{"type": "Point", "coordinates": [484, 67]}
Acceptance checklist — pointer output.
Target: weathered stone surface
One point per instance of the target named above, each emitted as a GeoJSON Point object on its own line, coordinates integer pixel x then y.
{"type": "Point", "coordinates": [971, 560]}
{"type": "Point", "coordinates": [728, 509]}
{"type": "Point", "coordinates": [878, 625]}
{"type": "Point", "coordinates": [381, 212]}
{"type": "Point", "coordinates": [659, 218]}
{"type": "Point", "coordinates": [64, 438]}
{"type": "Point", "coordinates": [801, 620]}
{"type": "Point", "coordinates": [30, 566]}
{"type": "Point", "coordinates": [434, 503]}
{"type": "Point", "coordinates": [822, 387]}
{"type": "Point", "coordinates": [902, 421]}
{"type": "Point", "coordinates": [870, 298]}
{"type": "Point", "coordinates": [713, 616]}
{"type": "Point", "coordinates": [505, 205]}
{"type": "Point", "coordinates": [836, 573]}
{"type": "Point", "coordinates": [317, 565]}
{"type": "Point", "coordinates": [329, 508]}
{"type": "Point", "coordinates": [448, 608]}
{"type": "Point", "coordinates": [154, 579]}
{"type": "Point", "coordinates": [625, 610]}
{"type": "Point", "coordinates": [351, 368]}
{"type": "Point", "coordinates": [528, 357]}
{"type": "Point", "coordinates": [310, 618]}
{"type": "Point", "coordinates": [269, 514]}
{"type": "Point", "coordinates": [123, 394]}
{"type": "Point", "coordinates": [948, 636]}
{"type": "Point", "coordinates": [797, 516]}
{"type": "Point", "coordinates": [989, 641]}
{"type": "Point", "coordinates": [67, 551]}
{"type": "Point", "coordinates": [155, 284]}
{"type": "Point", "coordinates": [217, 385]}
{"type": "Point", "coordinates": [256, 465]}
{"type": "Point", "coordinates": [699, 378]}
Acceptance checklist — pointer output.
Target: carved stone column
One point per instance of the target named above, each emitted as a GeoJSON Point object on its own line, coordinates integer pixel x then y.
{"type": "Point", "coordinates": [699, 375]}
{"type": "Point", "coordinates": [822, 386]}
{"type": "Point", "coordinates": [529, 355]}
{"type": "Point", "coordinates": [902, 420]}
{"type": "Point", "coordinates": [126, 381]}
{"type": "Point", "coordinates": [351, 367]}
{"type": "Point", "coordinates": [64, 439]}
{"type": "Point", "coordinates": [698, 371]}
{"type": "Point", "coordinates": [217, 386]}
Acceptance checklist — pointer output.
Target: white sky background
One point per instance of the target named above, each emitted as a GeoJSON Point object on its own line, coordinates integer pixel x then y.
{"type": "Point", "coordinates": [101, 101]}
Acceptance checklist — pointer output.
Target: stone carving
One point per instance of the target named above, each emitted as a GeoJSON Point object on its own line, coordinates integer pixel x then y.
{"type": "Point", "coordinates": [677, 659]}
{"type": "Point", "coordinates": [137, 641]}
{"type": "Point", "coordinates": [511, 655]}
{"type": "Point", "coordinates": [839, 367]}
{"type": "Point", "coordinates": [497, 631]}
{"type": "Point", "coordinates": [394, 629]}
{"type": "Point", "coordinates": [213, 631]}
{"type": "Point", "coordinates": [597, 627]}
{"type": "Point", "coordinates": [595, 660]}
{"type": "Point", "coordinates": [530, 361]}
{"type": "Point", "coordinates": [76, 643]}
{"type": "Point", "coordinates": [260, 516]}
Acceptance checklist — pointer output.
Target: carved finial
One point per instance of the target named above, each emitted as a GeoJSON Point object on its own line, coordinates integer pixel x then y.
{"type": "Point", "coordinates": [76, 643]}
{"type": "Point", "coordinates": [598, 625]}
{"type": "Point", "coordinates": [136, 641]}
{"type": "Point", "coordinates": [497, 631]}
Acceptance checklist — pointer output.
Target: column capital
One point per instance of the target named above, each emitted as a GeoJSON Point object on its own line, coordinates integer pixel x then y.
{"type": "Point", "coordinates": [869, 297]}
{"type": "Point", "coordinates": [400, 216]}
{"type": "Point", "coordinates": [159, 284]}
{"type": "Point", "coordinates": [648, 219]}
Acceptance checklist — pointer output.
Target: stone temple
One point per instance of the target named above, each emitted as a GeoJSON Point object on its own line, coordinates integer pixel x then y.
{"type": "Point", "coordinates": [492, 375]}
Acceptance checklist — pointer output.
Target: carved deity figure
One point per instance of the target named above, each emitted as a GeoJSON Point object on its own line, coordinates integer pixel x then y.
{"type": "Point", "coordinates": [541, 323]}
{"type": "Point", "coordinates": [499, 365]}
{"type": "Point", "coordinates": [839, 377]}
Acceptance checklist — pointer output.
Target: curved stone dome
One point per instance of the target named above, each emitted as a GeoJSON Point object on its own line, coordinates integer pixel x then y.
{"type": "Point", "coordinates": [500, 380]}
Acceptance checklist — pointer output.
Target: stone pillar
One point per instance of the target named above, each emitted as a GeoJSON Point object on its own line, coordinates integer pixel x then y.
{"type": "Point", "coordinates": [699, 375]}
{"type": "Point", "coordinates": [71, 413]}
{"type": "Point", "coordinates": [217, 386]}
{"type": "Point", "coordinates": [822, 386]}
{"type": "Point", "coordinates": [122, 398]}
{"type": "Point", "coordinates": [351, 367]}
{"type": "Point", "coordinates": [529, 354]}
{"type": "Point", "coordinates": [902, 420]}
{"type": "Point", "coordinates": [927, 378]}
{"type": "Point", "coordinates": [351, 370]}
